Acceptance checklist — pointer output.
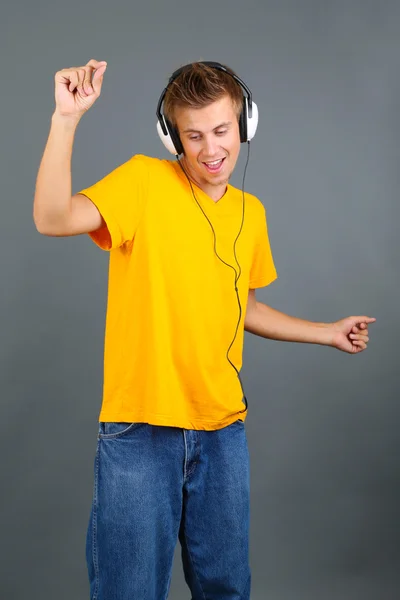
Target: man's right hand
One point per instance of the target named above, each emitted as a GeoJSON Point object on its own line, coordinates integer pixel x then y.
{"type": "Point", "coordinates": [77, 88]}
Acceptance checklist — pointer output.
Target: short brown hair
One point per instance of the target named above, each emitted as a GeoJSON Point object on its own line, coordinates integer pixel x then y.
{"type": "Point", "coordinates": [198, 86]}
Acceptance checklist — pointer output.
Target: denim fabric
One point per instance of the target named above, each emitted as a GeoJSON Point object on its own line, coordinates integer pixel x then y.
{"type": "Point", "coordinates": [154, 485]}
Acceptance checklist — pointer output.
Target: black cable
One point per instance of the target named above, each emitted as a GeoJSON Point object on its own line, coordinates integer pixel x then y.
{"type": "Point", "coordinates": [225, 263]}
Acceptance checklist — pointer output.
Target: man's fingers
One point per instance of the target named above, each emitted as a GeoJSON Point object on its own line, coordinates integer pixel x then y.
{"type": "Point", "coordinates": [362, 345]}
{"type": "Point", "coordinates": [87, 81]}
{"type": "Point", "coordinates": [362, 332]}
{"type": "Point", "coordinates": [362, 324]}
{"type": "Point", "coordinates": [95, 63]}
{"type": "Point", "coordinates": [359, 337]}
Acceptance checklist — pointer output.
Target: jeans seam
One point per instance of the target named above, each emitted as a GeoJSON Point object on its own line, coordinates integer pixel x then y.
{"type": "Point", "coordinates": [94, 528]}
{"type": "Point", "coordinates": [193, 565]}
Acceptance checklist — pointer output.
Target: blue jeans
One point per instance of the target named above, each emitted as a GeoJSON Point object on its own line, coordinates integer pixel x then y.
{"type": "Point", "coordinates": [154, 485]}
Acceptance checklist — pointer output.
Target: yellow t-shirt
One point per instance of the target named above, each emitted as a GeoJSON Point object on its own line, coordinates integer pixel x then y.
{"type": "Point", "coordinates": [172, 308]}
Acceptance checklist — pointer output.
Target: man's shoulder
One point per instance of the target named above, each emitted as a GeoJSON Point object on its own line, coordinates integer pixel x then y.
{"type": "Point", "coordinates": [152, 163]}
{"type": "Point", "coordinates": [150, 170]}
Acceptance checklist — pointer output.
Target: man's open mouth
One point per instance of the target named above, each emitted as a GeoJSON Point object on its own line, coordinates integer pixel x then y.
{"type": "Point", "coordinates": [214, 166]}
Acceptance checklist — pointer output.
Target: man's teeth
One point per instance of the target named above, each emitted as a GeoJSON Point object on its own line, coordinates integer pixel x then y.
{"type": "Point", "coordinates": [214, 163]}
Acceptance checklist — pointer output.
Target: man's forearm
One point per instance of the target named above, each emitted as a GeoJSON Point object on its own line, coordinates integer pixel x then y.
{"type": "Point", "coordinates": [269, 323]}
{"type": "Point", "coordinates": [53, 183]}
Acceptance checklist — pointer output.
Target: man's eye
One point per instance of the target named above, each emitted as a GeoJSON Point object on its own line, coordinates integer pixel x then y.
{"type": "Point", "coordinates": [194, 137]}
{"type": "Point", "coordinates": [222, 132]}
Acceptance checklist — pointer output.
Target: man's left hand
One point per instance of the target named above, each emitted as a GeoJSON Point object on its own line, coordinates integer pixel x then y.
{"type": "Point", "coordinates": [351, 334]}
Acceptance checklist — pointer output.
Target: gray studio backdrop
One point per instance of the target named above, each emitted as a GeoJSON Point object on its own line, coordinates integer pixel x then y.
{"type": "Point", "coordinates": [322, 425]}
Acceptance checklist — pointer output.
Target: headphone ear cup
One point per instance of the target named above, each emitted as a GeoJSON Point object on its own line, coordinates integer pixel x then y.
{"type": "Point", "coordinates": [243, 122]}
{"type": "Point", "coordinates": [176, 140]}
{"type": "Point", "coordinates": [166, 138]}
{"type": "Point", "coordinates": [251, 122]}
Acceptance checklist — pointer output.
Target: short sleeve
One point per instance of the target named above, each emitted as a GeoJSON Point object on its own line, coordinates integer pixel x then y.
{"type": "Point", "coordinates": [262, 270]}
{"type": "Point", "coordinates": [120, 198]}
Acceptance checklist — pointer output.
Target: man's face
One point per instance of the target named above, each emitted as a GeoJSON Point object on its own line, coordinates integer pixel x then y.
{"type": "Point", "coordinates": [211, 142]}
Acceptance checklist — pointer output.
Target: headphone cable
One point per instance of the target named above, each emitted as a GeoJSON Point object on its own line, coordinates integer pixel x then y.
{"type": "Point", "coordinates": [227, 264]}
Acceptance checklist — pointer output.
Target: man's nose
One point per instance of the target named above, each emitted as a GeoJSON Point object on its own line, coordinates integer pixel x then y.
{"type": "Point", "coordinates": [210, 146]}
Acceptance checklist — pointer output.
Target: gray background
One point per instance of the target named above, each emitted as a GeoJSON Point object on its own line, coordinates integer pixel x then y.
{"type": "Point", "coordinates": [322, 425]}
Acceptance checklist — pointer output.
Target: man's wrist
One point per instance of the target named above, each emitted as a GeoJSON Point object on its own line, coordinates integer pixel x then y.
{"type": "Point", "coordinates": [67, 122]}
{"type": "Point", "coordinates": [326, 333]}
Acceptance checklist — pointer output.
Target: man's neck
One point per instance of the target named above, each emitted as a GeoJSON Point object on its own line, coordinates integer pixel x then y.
{"type": "Point", "coordinates": [215, 192]}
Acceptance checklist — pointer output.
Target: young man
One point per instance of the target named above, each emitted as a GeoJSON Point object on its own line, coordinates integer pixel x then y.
{"type": "Point", "coordinates": [187, 251]}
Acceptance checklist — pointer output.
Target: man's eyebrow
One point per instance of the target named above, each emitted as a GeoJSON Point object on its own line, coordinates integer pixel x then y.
{"type": "Point", "coordinates": [224, 124]}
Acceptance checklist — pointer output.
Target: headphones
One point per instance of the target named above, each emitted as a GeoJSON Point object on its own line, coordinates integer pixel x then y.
{"type": "Point", "coordinates": [248, 119]}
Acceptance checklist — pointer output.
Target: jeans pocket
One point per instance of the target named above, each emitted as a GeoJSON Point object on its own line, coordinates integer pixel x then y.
{"type": "Point", "coordinates": [114, 429]}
